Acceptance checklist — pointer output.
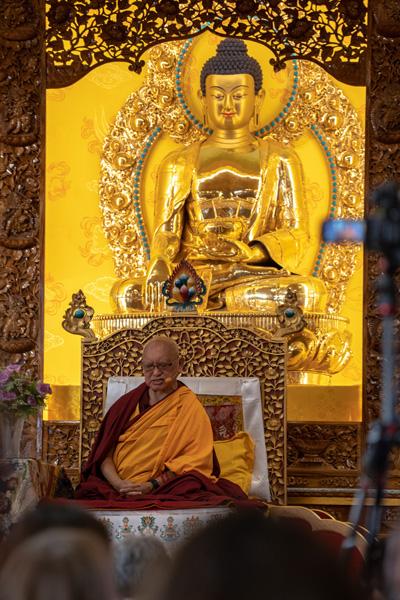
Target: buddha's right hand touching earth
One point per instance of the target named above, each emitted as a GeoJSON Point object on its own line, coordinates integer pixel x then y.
{"type": "Point", "coordinates": [158, 272]}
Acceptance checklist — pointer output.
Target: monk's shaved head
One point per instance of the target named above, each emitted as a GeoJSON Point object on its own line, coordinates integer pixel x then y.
{"type": "Point", "coordinates": [161, 365]}
{"type": "Point", "coordinates": [165, 342]}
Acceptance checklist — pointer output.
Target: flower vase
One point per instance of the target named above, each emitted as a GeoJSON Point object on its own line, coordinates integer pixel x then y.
{"type": "Point", "coordinates": [11, 426]}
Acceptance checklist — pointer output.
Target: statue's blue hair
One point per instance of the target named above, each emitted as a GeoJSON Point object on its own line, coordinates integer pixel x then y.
{"type": "Point", "coordinates": [231, 58]}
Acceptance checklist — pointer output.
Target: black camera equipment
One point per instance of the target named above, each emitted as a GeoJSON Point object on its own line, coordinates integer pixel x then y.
{"type": "Point", "coordinates": [380, 232]}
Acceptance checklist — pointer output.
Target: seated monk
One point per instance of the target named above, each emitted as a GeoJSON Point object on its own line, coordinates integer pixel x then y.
{"type": "Point", "coordinates": [154, 448]}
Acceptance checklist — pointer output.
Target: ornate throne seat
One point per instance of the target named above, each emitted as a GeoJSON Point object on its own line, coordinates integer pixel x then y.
{"type": "Point", "coordinates": [239, 376]}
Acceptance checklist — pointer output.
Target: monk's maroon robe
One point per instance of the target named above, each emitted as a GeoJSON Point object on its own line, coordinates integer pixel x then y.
{"type": "Point", "coordinates": [191, 490]}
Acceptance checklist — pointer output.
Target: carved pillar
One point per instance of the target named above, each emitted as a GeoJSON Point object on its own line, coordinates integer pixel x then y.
{"type": "Point", "coordinates": [382, 164]}
{"type": "Point", "coordinates": [22, 94]}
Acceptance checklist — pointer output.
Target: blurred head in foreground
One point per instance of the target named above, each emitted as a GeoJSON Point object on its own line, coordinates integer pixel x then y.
{"type": "Point", "coordinates": [48, 515]}
{"type": "Point", "coordinates": [391, 567]}
{"type": "Point", "coordinates": [140, 566]}
{"type": "Point", "coordinates": [251, 556]}
{"type": "Point", "coordinates": [66, 564]}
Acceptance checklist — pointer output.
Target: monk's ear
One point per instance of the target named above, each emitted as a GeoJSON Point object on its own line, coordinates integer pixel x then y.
{"type": "Point", "coordinates": [180, 365]}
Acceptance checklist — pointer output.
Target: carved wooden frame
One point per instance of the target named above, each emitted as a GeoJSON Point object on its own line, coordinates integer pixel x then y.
{"type": "Point", "coordinates": [208, 348]}
{"type": "Point", "coordinates": [22, 127]}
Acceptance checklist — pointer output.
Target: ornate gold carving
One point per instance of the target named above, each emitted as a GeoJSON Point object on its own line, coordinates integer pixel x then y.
{"type": "Point", "coordinates": [383, 165]}
{"type": "Point", "coordinates": [321, 483]}
{"type": "Point", "coordinates": [290, 316]}
{"type": "Point", "coordinates": [83, 36]}
{"type": "Point", "coordinates": [208, 348]}
{"type": "Point", "coordinates": [387, 17]}
{"type": "Point", "coordinates": [155, 108]}
{"type": "Point", "coordinates": [313, 446]}
{"type": "Point", "coordinates": [78, 316]}
{"type": "Point", "coordinates": [61, 446]}
{"type": "Point", "coordinates": [21, 130]}
{"type": "Point", "coordinates": [323, 346]}
{"type": "Point", "coordinates": [320, 348]}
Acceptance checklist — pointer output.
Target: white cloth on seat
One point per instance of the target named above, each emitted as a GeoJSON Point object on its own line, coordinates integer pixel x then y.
{"type": "Point", "coordinates": [170, 526]}
{"type": "Point", "coordinates": [247, 388]}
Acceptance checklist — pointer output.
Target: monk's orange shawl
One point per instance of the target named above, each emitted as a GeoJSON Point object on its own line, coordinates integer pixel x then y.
{"type": "Point", "coordinates": [175, 433]}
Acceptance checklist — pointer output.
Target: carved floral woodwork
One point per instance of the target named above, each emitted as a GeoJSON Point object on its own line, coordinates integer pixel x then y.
{"type": "Point", "coordinates": [207, 349]}
{"type": "Point", "coordinates": [22, 89]}
{"type": "Point", "coordinates": [312, 483]}
{"type": "Point", "coordinates": [323, 446]}
{"type": "Point", "coordinates": [61, 443]}
{"type": "Point", "coordinates": [61, 446]}
{"type": "Point", "coordinates": [80, 36]}
{"type": "Point", "coordinates": [383, 164]}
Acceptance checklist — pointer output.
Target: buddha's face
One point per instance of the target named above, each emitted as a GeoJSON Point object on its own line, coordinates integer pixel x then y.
{"type": "Point", "coordinates": [230, 101]}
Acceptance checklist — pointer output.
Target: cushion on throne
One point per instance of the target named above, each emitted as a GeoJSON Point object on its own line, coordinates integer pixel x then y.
{"type": "Point", "coordinates": [234, 407]}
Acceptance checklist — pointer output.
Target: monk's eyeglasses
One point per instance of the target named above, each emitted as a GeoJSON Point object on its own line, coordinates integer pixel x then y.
{"type": "Point", "coordinates": [161, 366]}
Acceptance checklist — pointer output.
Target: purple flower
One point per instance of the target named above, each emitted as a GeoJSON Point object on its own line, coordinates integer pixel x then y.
{"type": "Point", "coordinates": [8, 371]}
{"type": "Point", "coordinates": [4, 377]}
{"type": "Point", "coordinates": [7, 396]}
{"type": "Point", "coordinates": [14, 368]}
{"type": "Point", "coordinates": [31, 400]}
{"type": "Point", "coordinates": [43, 389]}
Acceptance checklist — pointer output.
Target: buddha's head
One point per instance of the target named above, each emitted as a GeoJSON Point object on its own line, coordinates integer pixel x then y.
{"type": "Point", "coordinates": [231, 87]}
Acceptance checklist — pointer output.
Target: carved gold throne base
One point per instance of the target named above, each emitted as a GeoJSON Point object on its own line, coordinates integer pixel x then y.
{"type": "Point", "coordinates": [317, 348]}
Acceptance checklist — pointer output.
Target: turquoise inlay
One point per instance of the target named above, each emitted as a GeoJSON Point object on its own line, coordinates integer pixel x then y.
{"type": "Point", "coordinates": [333, 203]}
{"type": "Point", "coordinates": [136, 189]}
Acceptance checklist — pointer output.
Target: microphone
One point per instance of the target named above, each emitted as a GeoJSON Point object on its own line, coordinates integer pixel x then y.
{"type": "Point", "coordinates": [168, 380]}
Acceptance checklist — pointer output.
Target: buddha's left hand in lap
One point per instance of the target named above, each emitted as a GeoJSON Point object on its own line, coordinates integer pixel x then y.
{"type": "Point", "coordinates": [236, 250]}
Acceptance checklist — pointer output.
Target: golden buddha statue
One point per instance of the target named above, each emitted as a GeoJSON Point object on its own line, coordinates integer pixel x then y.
{"type": "Point", "coordinates": [234, 204]}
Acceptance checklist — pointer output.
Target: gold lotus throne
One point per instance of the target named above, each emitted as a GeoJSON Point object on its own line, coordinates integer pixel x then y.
{"type": "Point", "coordinates": [159, 112]}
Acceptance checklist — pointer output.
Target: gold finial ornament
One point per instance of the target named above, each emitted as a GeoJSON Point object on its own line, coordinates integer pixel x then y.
{"type": "Point", "coordinates": [184, 289]}
{"type": "Point", "coordinates": [290, 316]}
{"type": "Point", "coordinates": [78, 316]}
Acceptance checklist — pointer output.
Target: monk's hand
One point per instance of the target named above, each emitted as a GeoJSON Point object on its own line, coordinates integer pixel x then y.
{"type": "Point", "coordinates": [126, 486]}
{"type": "Point", "coordinates": [140, 489]}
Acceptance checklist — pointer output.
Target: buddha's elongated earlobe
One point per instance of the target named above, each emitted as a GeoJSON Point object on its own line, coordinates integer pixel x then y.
{"type": "Point", "coordinates": [205, 122]}
{"type": "Point", "coordinates": [256, 119]}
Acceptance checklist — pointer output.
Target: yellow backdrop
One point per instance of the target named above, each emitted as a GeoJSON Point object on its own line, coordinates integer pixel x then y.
{"type": "Point", "coordinates": [76, 252]}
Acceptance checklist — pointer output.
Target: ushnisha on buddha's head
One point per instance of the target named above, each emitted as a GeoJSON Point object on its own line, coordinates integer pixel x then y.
{"type": "Point", "coordinates": [231, 88]}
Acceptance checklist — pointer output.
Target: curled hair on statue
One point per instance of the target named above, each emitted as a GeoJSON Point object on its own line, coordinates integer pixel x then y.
{"type": "Point", "coordinates": [231, 58]}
